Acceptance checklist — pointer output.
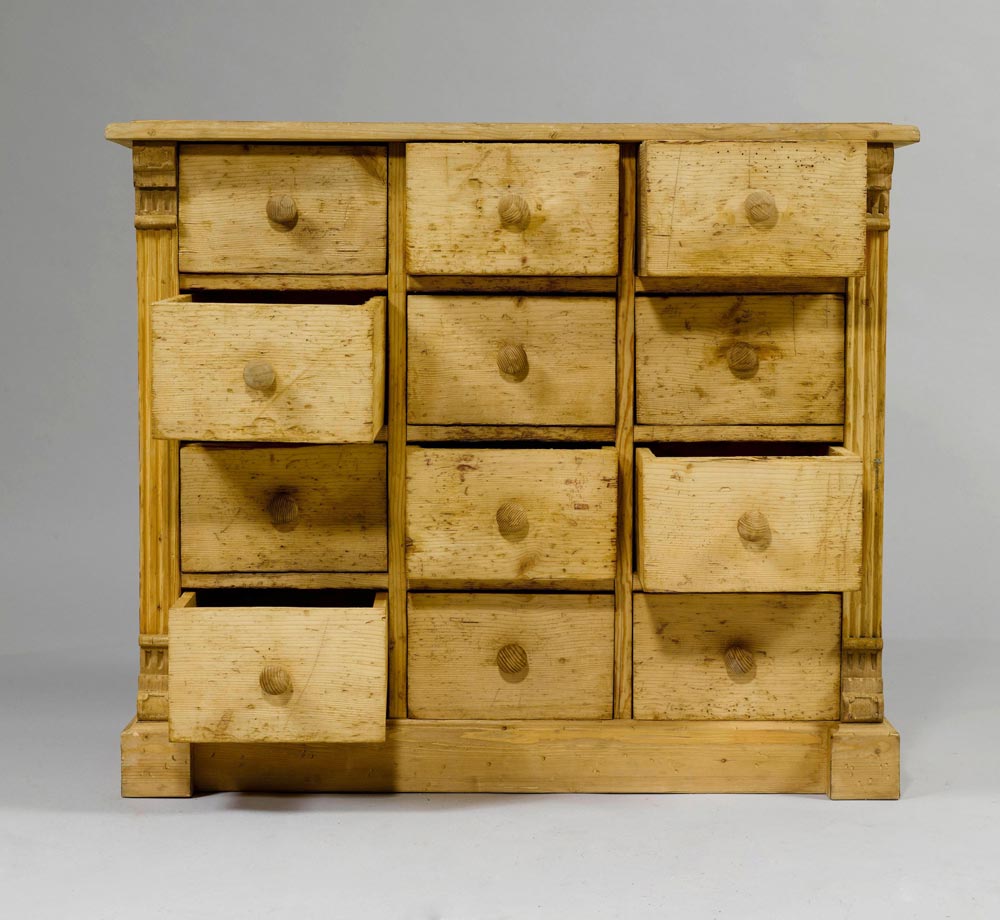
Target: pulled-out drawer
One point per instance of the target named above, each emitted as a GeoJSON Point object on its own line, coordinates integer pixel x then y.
{"type": "Point", "coordinates": [310, 669]}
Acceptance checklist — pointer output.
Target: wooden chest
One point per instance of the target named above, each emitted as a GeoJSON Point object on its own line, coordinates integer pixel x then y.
{"type": "Point", "coordinates": [511, 457]}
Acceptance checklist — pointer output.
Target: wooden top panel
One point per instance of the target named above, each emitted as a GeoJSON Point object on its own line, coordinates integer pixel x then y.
{"type": "Point", "coordinates": [332, 131]}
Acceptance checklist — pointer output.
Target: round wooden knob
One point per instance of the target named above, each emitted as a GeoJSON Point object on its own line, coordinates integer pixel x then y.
{"type": "Point", "coordinates": [512, 521]}
{"type": "Point", "coordinates": [754, 530]}
{"type": "Point", "coordinates": [743, 360]}
{"type": "Point", "coordinates": [512, 360]}
{"type": "Point", "coordinates": [282, 210]}
{"type": "Point", "coordinates": [258, 375]}
{"type": "Point", "coordinates": [283, 509]}
{"type": "Point", "coordinates": [275, 680]}
{"type": "Point", "coordinates": [739, 660]}
{"type": "Point", "coordinates": [514, 211]}
{"type": "Point", "coordinates": [512, 659]}
{"type": "Point", "coordinates": [762, 210]}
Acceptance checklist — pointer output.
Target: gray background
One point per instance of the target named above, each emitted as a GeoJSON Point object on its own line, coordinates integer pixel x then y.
{"type": "Point", "coordinates": [68, 486]}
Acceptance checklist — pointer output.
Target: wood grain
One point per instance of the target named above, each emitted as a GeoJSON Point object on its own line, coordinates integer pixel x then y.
{"type": "Point", "coordinates": [564, 672]}
{"type": "Point", "coordinates": [681, 642]}
{"type": "Point", "coordinates": [455, 375]}
{"type": "Point", "coordinates": [340, 195]}
{"type": "Point", "coordinates": [153, 766]}
{"type": "Point", "coordinates": [583, 433]}
{"type": "Point", "coordinates": [685, 372]}
{"type": "Point", "coordinates": [864, 761]}
{"type": "Point", "coordinates": [232, 281]}
{"type": "Point", "coordinates": [294, 580]}
{"type": "Point", "coordinates": [740, 284]}
{"type": "Point", "coordinates": [481, 284]}
{"type": "Point", "coordinates": [227, 522]}
{"type": "Point", "coordinates": [651, 434]}
{"type": "Point", "coordinates": [454, 193]}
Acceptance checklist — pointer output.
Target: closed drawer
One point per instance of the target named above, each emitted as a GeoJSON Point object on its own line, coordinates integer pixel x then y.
{"type": "Point", "coordinates": [751, 360]}
{"type": "Point", "coordinates": [736, 656]}
{"type": "Point", "coordinates": [752, 208]}
{"type": "Point", "coordinates": [268, 372]}
{"type": "Point", "coordinates": [510, 656]}
{"type": "Point", "coordinates": [749, 523]}
{"type": "Point", "coordinates": [512, 209]}
{"type": "Point", "coordinates": [283, 509]}
{"type": "Point", "coordinates": [277, 208]}
{"type": "Point", "coordinates": [310, 670]}
{"type": "Point", "coordinates": [511, 518]}
{"type": "Point", "coordinates": [511, 360]}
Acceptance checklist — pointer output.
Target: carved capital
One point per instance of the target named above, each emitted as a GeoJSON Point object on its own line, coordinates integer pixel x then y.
{"type": "Point", "coordinates": [154, 175]}
{"type": "Point", "coordinates": [861, 696]}
{"type": "Point", "coordinates": [880, 162]}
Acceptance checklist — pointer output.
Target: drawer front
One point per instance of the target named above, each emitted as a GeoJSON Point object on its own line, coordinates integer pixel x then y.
{"type": "Point", "coordinates": [511, 518]}
{"type": "Point", "coordinates": [510, 656]}
{"type": "Point", "coordinates": [283, 509]}
{"type": "Point", "coordinates": [749, 523]}
{"type": "Point", "coordinates": [736, 656]}
{"type": "Point", "coordinates": [268, 372]}
{"type": "Point", "coordinates": [752, 208]}
{"type": "Point", "coordinates": [277, 674]}
{"type": "Point", "coordinates": [751, 360]}
{"type": "Point", "coordinates": [274, 208]}
{"type": "Point", "coordinates": [511, 360]}
{"type": "Point", "coordinates": [512, 209]}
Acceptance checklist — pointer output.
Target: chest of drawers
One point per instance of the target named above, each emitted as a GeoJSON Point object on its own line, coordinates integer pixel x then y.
{"type": "Point", "coordinates": [511, 457]}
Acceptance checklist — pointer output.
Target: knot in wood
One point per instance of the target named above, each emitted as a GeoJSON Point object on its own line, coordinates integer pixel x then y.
{"type": "Point", "coordinates": [754, 530]}
{"type": "Point", "coordinates": [762, 210]}
{"type": "Point", "coordinates": [512, 659]}
{"type": "Point", "coordinates": [282, 210]}
{"type": "Point", "coordinates": [512, 360]}
{"type": "Point", "coordinates": [275, 680]}
{"type": "Point", "coordinates": [283, 509]}
{"type": "Point", "coordinates": [743, 360]}
{"type": "Point", "coordinates": [739, 660]}
{"type": "Point", "coordinates": [512, 521]}
{"type": "Point", "coordinates": [514, 211]}
{"type": "Point", "coordinates": [259, 375]}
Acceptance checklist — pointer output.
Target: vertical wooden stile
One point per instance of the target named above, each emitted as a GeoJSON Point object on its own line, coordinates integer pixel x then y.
{"type": "Point", "coordinates": [624, 432]}
{"type": "Point", "coordinates": [397, 431]}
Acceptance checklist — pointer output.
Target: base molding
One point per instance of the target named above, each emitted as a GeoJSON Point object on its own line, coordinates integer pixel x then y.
{"type": "Point", "coordinates": [864, 761]}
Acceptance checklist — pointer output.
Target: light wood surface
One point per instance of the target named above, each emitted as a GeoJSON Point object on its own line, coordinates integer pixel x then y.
{"type": "Point", "coordinates": [699, 208]}
{"type": "Point", "coordinates": [271, 208]}
{"type": "Point", "coordinates": [582, 433]}
{"type": "Point", "coordinates": [153, 766]}
{"type": "Point", "coordinates": [282, 509]}
{"type": "Point", "coordinates": [647, 434]}
{"type": "Point", "coordinates": [751, 360]}
{"type": "Point", "coordinates": [278, 674]}
{"type": "Point", "coordinates": [512, 209]}
{"type": "Point", "coordinates": [748, 523]}
{"type": "Point", "coordinates": [234, 281]}
{"type": "Point", "coordinates": [517, 284]}
{"type": "Point", "coordinates": [784, 651]}
{"type": "Point", "coordinates": [510, 656]}
{"type": "Point", "coordinates": [864, 762]}
{"type": "Point", "coordinates": [740, 284]}
{"type": "Point", "coordinates": [294, 580]}
{"type": "Point", "coordinates": [328, 362]}
{"type": "Point", "coordinates": [454, 538]}
{"type": "Point", "coordinates": [511, 360]}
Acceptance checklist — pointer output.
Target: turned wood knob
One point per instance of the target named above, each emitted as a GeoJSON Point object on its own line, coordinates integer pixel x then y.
{"type": "Point", "coordinates": [739, 660]}
{"type": "Point", "coordinates": [512, 521]}
{"type": "Point", "coordinates": [281, 209]}
{"type": "Point", "coordinates": [258, 375]}
{"type": "Point", "coordinates": [762, 211]}
{"type": "Point", "coordinates": [283, 509]}
{"type": "Point", "coordinates": [513, 361]}
{"type": "Point", "coordinates": [754, 530]}
{"type": "Point", "coordinates": [275, 680]}
{"type": "Point", "coordinates": [743, 360]}
{"type": "Point", "coordinates": [512, 659]}
{"type": "Point", "coordinates": [514, 211]}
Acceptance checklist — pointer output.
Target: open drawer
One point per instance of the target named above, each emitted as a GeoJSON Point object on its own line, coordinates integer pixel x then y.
{"type": "Point", "coordinates": [278, 666]}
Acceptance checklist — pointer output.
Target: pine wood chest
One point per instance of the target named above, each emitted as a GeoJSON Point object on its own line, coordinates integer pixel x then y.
{"type": "Point", "coordinates": [511, 457]}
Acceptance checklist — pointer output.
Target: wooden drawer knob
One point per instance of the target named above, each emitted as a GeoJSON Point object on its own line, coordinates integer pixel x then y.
{"type": "Point", "coordinates": [743, 360]}
{"type": "Point", "coordinates": [754, 530]}
{"type": "Point", "coordinates": [512, 659]}
{"type": "Point", "coordinates": [282, 210]}
{"type": "Point", "coordinates": [512, 360]}
{"type": "Point", "coordinates": [514, 211]}
{"type": "Point", "coordinates": [275, 680]}
{"type": "Point", "coordinates": [283, 509]}
{"type": "Point", "coordinates": [739, 660]}
{"type": "Point", "coordinates": [512, 521]}
{"type": "Point", "coordinates": [259, 375]}
{"type": "Point", "coordinates": [762, 210]}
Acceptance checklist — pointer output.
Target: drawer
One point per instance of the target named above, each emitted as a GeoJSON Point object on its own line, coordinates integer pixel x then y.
{"type": "Point", "coordinates": [510, 656]}
{"type": "Point", "coordinates": [750, 360]}
{"type": "Point", "coordinates": [752, 208]}
{"type": "Point", "coordinates": [736, 656]}
{"type": "Point", "coordinates": [258, 666]}
{"type": "Point", "coordinates": [788, 523]}
{"type": "Point", "coordinates": [511, 360]}
{"type": "Point", "coordinates": [283, 509]}
{"type": "Point", "coordinates": [511, 518]}
{"type": "Point", "coordinates": [268, 372]}
{"type": "Point", "coordinates": [512, 209]}
{"type": "Point", "coordinates": [278, 208]}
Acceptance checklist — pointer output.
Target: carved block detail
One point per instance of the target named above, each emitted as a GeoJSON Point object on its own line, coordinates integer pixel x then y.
{"type": "Point", "coordinates": [155, 209]}
{"type": "Point", "coordinates": [154, 175]}
{"type": "Point", "coordinates": [880, 162]}
{"type": "Point", "coordinates": [861, 698]}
